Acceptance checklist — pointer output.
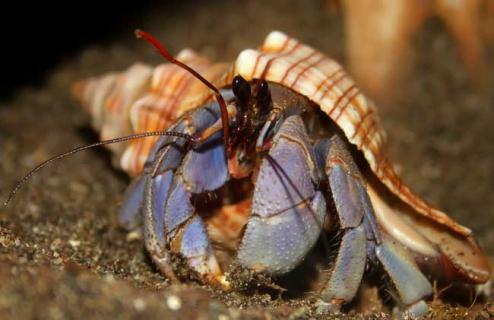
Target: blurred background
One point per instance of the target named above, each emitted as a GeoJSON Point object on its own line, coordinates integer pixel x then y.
{"type": "Point", "coordinates": [36, 37]}
{"type": "Point", "coordinates": [427, 64]}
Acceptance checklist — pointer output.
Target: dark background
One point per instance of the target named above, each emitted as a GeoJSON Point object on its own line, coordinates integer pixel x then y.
{"type": "Point", "coordinates": [36, 35]}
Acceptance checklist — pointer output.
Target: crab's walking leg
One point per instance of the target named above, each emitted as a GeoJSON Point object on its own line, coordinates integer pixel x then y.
{"type": "Point", "coordinates": [287, 212]}
{"type": "Point", "coordinates": [156, 193]}
{"type": "Point", "coordinates": [202, 170]}
{"type": "Point", "coordinates": [357, 220]}
{"type": "Point", "coordinates": [411, 284]}
{"type": "Point", "coordinates": [170, 220]}
{"type": "Point", "coordinates": [172, 174]}
{"type": "Point", "coordinates": [352, 205]}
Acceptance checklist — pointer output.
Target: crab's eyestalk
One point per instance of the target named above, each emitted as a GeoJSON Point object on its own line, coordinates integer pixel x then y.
{"type": "Point", "coordinates": [164, 52]}
{"type": "Point", "coordinates": [263, 96]}
{"type": "Point", "coordinates": [241, 90]}
{"type": "Point", "coordinates": [42, 165]}
{"type": "Point", "coordinates": [263, 101]}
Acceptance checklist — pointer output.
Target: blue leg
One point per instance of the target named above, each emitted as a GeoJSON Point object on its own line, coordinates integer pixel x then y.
{"type": "Point", "coordinates": [162, 166]}
{"type": "Point", "coordinates": [411, 284]}
{"type": "Point", "coordinates": [156, 193]}
{"type": "Point", "coordinates": [351, 201]}
{"type": "Point", "coordinates": [203, 169]}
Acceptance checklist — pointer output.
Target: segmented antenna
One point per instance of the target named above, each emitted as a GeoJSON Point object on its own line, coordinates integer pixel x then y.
{"type": "Point", "coordinates": [164, 52]}
{"type": "Point", "coordinates": [28, 176]}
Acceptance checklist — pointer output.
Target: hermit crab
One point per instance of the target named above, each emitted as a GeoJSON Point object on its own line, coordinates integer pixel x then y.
{"type": "Point", "coordinates": [290, 149]}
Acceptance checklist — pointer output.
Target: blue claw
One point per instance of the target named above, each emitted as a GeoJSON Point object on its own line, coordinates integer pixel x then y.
{"type": "Point", "coordinates": [278, 243]}
{"type": "Point", "coordinates": [286, 175]}
{"type": "Point", "coordinates": [287, 213]}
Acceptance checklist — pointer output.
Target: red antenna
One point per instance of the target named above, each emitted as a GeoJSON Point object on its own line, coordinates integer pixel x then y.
{"type": "Point", "coordinates": [162, 50]}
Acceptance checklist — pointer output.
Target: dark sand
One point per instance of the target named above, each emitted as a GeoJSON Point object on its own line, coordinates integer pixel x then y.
{"type": "Point", "coordinates": [62, 254]}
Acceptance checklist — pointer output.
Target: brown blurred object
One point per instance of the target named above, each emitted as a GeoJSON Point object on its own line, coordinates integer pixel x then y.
{"type": "Point", "coordinates": [379, 36]}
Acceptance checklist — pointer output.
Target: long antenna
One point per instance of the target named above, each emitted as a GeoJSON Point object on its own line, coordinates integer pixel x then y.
{"type": "Point", "coordinates": [28, 176]}
{"type": "Point", "coordinates": [164, 52]}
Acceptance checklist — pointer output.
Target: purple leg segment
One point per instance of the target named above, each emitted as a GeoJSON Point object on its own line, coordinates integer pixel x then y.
{"type": "Point", "coordinates": [178, 208]}
{"type": "Point", "coordinates": [349, 195]}
{"type": "Point", "coordinates": [156, 193]}
{"type": "Point", "coordinates": [195, 247]}
{"type": "Point", "coordinates": [129, 215]}
{"type": "Point", "coordinates": [411, 284]}
{"type": "Point", "coordinates": [347, 271]}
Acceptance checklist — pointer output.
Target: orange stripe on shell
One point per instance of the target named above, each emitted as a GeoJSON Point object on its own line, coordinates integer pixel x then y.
{"type": "Point", "coordinates": [109, 99]}
{"type": "Point", "coordinates": [173, 91]}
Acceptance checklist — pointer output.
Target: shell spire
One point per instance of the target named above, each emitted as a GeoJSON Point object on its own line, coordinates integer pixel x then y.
{"type": "Point", "coordinates": [144, 99]}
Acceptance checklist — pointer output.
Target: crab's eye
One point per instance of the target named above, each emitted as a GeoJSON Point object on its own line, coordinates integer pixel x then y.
{"type": "Point", "coordinates": [241, 89]}
{"type": "Point", "coordinates": [263, 95]}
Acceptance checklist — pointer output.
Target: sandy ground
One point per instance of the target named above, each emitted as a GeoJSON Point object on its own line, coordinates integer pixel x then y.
{"type": "Point", "coordinates": [62, 254]}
